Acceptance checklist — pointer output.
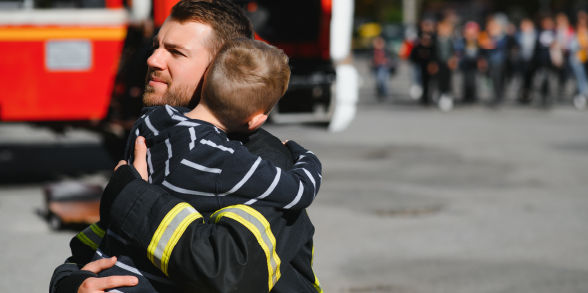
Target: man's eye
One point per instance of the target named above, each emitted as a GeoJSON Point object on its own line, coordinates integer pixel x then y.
{"type": "Point", "coordinates": [176, 52]}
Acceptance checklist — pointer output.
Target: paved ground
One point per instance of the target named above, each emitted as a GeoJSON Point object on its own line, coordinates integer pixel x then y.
{"type": "Point", "coordinates": [414, 200]}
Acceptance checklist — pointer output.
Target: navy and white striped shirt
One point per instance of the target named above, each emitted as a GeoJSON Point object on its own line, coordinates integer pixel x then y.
{"type": "Point", "coordinates": [195, 161]}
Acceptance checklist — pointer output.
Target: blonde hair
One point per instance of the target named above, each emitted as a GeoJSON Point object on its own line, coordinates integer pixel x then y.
{"type": "Point", "coordinates": [247, 77]}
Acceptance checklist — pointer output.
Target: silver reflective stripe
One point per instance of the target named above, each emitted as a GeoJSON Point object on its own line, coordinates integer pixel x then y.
{"type": "Point", "coordinates": [169, 232]}
{"type": "Point", "coordinates": [134, 270]}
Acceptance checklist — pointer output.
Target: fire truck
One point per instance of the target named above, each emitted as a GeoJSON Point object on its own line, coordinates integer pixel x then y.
{"type": "Point", "coordinates": [60, 58]}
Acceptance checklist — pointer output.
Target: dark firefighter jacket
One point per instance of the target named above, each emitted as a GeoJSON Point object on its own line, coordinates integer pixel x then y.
{"type": "Point", "coordinates": [236, 249]}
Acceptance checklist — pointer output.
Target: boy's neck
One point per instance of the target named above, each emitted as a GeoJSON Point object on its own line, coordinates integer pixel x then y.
{"type": "Point", "coordinates": [201, 112]}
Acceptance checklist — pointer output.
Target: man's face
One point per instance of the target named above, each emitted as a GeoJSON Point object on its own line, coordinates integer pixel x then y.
{"type": "Point", "coordinates": [177, 63]}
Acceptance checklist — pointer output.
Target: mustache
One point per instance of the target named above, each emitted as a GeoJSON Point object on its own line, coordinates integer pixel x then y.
{"type": "Point", "coordinates": [154, 74]}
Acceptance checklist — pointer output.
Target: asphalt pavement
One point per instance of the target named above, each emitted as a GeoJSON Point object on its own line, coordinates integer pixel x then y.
{"type": "Point", "coordinates": [414, 200]}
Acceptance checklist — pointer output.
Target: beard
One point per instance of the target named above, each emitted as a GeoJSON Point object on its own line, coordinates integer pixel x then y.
{"type": "Point", "coordinates": [173, 96]}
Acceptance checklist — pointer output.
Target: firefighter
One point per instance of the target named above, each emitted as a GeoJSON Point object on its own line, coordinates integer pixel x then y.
{"type": "Point", "coordinates": [235, 249]}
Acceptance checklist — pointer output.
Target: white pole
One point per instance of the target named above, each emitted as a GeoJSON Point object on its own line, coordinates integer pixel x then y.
{"type": "Point", "coordinates": [346, 85]}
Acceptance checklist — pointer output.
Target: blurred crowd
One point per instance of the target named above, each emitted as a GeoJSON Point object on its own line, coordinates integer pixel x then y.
{"type": "Point", "coordinates": [540, 57]}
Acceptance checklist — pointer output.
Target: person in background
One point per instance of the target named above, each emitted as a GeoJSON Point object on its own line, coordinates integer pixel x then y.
{"type": "Point", "coordinates": [547, 58]}
{"type": "Point", "coordinates": [512, 53]}
{"type": "Point", "coordinates": [564, 35]}
{"type": "Point", "coordinates": [423, 55]}
{"type": "Point", "coordinates": [527, 40]}
{"type": "Point", "coordinates": [445, 63]}
{"type": "Point", "coordinates": [578, 59]}
{"type": "Point", "coordinates": [495, 46]}
{"type": "Point", "coordinates": [381, 65]}
{"type": "Point", "coordinates": [408, 44]}
{"type": "Point", "coordinates": [469, 61]}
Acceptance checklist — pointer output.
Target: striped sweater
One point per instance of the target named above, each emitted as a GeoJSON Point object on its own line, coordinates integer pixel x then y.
{"type": "Point", "coordinates": [195, 161]}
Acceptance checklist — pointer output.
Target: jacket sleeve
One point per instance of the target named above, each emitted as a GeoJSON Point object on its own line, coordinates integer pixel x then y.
{"type": "Point", "coordinates": [233, 251]}
{"type": "Point", "coordinates": [252, 177]}
{"type": "Point", "coordinates": [68, 277]}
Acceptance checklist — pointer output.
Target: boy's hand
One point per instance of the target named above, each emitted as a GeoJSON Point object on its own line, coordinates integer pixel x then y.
{"type": "Point", "coordinates": [120, 163]}
{"type": "Point", "coordinates": [140, 162]}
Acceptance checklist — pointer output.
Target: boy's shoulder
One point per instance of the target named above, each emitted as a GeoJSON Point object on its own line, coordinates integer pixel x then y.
{"type": "Point", "coordinates": [164, 109]}
{"type": "Point", "coordinates": [160, 118]}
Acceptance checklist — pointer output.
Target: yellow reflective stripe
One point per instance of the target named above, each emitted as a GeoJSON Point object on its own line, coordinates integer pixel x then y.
{"type": "Point", "coordinates": [82, 237]}
{"type": "Point", "coordinates": [317, 284]}
{"type": "Point", "coordinates": [97, 230]}
{"type": "Point", "coordinates": [257, 234]}
{"type": "Point", "coordinates": [260, 228]}
{"type": "Point", "coordinates": [174, 240]}
{"type": "Point", "coordinates": [91, 236]}
{"type": "Point", "coordinates": [168, 233]}
{"type": "Point", "coordinates": [161, 228]}
{"type": "Point", "coordinates": [312, 256]}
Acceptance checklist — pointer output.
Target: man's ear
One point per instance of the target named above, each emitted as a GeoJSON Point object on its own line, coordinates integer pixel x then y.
{"type": "Point", "coordinates": [256, 121]}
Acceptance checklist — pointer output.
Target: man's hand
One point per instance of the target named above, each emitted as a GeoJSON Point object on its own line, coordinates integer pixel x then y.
{"type": "Point", "coordinates": [93, 285]}
{"type": "Point", "coordinates": [140, 162]}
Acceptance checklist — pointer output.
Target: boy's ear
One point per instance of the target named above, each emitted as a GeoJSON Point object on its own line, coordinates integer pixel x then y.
{"type": "Point", "coordinates": [256, 121]}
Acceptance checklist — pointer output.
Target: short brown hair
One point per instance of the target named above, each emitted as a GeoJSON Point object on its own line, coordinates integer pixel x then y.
{"type": "Point", "coordinates": [227, 20]}
{"type": "Point", "coordinates": [246, 77]}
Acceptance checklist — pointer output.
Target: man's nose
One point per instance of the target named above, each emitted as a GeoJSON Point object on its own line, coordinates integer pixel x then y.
{"type": "Point", "coordinates": [156, 60]}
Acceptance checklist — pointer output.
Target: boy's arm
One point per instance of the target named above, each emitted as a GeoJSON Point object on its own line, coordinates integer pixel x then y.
{"type": "Point", "coordinates": [249, 176]}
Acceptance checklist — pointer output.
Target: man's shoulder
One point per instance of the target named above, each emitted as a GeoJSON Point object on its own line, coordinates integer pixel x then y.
{"type": "Point", "coordinates": [263, 135]}
{"type": "Point", "coordinates": [267, 146]}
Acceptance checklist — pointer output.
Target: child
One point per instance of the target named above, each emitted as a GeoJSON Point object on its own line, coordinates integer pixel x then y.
{"type": "Point", "coordinates": [191, 157]}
